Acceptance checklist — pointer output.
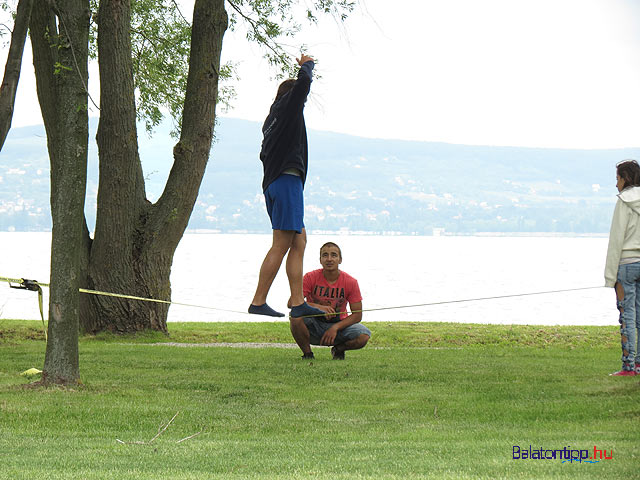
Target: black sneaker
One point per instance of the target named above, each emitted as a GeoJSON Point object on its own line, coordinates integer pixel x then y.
{"type": "Point", "coordinates": [337, 354]}
{"type": "Point", "coordinates": [308, 356]}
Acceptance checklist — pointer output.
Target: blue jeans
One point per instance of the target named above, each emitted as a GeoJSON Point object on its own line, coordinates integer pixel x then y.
{"type": "Point", "coordinates": [629, 307]}
{"type": "Point", "coordinates": [317, 328]}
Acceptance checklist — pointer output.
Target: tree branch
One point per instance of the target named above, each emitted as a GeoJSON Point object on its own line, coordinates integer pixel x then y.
{"type": "Point", "coordinates": [12, 69]}
{"type": "Point", "coordinates": [179, 11]}
{"type": "Point", "coordinates": [75, 60]}
{"type": "Point", "coordinates": [6, 27]}
{"type": "Point", "coordinates": [261, 36]}
{"type": "Point", "coordinates": [42, 27]}
{"type": "Point", "coordinates": [172, 210]}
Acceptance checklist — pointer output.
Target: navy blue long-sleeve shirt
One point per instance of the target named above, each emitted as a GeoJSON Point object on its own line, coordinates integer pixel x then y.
{"type": "Point", "coordinates": [284, 144]}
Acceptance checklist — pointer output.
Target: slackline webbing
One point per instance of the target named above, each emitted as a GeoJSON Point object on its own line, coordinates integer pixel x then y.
{"type": "Point", "coordinates": [32, 284]}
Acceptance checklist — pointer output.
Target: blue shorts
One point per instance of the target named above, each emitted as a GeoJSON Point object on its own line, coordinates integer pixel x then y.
{"type": "Point", "coordinates": [317, 328]}
{"type": "Point", "coordinates": [285, 203]}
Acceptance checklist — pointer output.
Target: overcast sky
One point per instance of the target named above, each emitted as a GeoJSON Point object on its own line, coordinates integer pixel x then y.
{"type": "Point", "coordinates": [544, 73]}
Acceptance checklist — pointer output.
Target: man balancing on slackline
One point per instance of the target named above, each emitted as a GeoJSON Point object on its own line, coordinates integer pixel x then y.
{"type": "Point", "coordinates": [284, 159]}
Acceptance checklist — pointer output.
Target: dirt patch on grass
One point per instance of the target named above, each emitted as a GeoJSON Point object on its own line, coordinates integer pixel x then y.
{"type": "Point", "coordinates": [223, 344]}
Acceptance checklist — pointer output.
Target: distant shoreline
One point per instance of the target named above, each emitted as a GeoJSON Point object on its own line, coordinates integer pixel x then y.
{"type": "Point", "coordinates": [201, 231]}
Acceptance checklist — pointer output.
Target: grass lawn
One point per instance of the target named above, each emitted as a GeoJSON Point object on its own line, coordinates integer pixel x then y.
{"type": "Point", "coordinates": [422, 400]}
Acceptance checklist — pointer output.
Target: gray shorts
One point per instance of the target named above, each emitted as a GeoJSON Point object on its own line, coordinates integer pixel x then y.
{"type": "Point", "coordinates": [317, 329]}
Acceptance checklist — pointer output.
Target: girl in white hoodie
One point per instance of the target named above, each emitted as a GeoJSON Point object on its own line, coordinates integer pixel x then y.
{"type": "Point", "coordinates": [622, 270]}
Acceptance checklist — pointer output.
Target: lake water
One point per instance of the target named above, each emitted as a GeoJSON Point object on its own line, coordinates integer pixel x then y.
{"type": "Point", "coordinates": [220, 271]}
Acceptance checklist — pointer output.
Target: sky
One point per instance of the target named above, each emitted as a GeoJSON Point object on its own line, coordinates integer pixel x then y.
{"type": "Point", "coordinates": [536, 73]}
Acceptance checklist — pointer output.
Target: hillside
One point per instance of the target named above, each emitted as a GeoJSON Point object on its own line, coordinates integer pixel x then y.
{"type": "Point", "coordinates": [354, 184]}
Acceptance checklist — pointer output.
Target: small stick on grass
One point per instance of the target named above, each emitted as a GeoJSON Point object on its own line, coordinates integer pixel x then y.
{"type": "Point", "coordinates": [191, 436]}
{"type": "Point", "coordinates": [160, 430]}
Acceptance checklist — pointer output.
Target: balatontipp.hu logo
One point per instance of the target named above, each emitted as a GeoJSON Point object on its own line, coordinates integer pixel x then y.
{"type": "Point", "coordinates": [567, 454]}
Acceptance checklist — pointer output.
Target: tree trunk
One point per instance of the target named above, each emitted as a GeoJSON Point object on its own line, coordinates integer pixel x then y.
{"type": "Point", "coordinates": [12, 67]}
{"type": "Point", "coordinates": [135, 241]}
{"type": "Point", "coordinates": [60, 51]}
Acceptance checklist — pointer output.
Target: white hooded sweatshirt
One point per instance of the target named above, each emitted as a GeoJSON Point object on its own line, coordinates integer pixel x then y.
{"type": "Point", "coordinates": [624, 238]}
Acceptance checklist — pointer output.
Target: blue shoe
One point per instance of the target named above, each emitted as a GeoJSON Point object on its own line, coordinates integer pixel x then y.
{"type": "Point", "coordinates": [305, 310]}
{"type": "Point", "coordinates": [264, 309]}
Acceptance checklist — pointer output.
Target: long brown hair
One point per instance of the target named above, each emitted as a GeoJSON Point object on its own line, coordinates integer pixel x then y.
{"type": "Point", "coordinates": [629, 172]}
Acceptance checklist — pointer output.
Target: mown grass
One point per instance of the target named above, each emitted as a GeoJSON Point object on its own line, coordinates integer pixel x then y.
{"type": "Point", "coordinates": [421, 401]}
{"type": "Point", "coordinates": [396, 334]}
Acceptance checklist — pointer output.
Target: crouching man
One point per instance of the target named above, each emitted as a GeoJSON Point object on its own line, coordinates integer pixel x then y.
{"type": "Point", "coordinates": [329, 289]}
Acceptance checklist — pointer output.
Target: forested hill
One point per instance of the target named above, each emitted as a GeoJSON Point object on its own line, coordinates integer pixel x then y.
{"type": "Point", "coordinates": [354, 184]}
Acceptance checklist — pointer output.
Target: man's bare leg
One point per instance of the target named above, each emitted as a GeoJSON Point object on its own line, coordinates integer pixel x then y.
{"type": "Point", "coordinates": [337, 352]}
{"type": "Point", "coordinates": [299, 308]}
{"type": "Point", "coordinates": [281, 243]}
{"type": "Point", "coordinates": [294, 267]}
{"type": "Point", "coordinates": [300, 334]}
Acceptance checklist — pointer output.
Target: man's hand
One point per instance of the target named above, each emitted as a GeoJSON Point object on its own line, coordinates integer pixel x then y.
{"type": "Point", "coordinates": [329, 336]}
{"type": "Point", "coordinates": [304, 59]}
{"type": "Point", "coordinates": [328, 309]}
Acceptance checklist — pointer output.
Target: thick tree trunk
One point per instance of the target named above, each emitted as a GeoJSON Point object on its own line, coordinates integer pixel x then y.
{"type": "Point", "coordinates": [12, 67]}
{"type": "Point", "coordinates": [135, 241]}
{"type": "Point", "coordinates": [121, 194]}
{"type": "Point", "coordinates": [60, 38]}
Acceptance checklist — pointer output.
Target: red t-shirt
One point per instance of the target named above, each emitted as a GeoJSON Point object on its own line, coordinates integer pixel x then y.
{"type": "Point", "coordinates": [344, 290]}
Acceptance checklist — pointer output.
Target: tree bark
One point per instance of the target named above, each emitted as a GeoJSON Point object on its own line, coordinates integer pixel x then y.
{"type": "Point", "coordinates": [135, 240]}
{"type": "Point", "coordinates": [12, 67]}
{"type": "Point", "coordinates": [60, 51]}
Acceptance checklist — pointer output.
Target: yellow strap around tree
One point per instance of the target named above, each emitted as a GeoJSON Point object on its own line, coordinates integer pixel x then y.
{"type": "Point", "coordinates": [32, 285]}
